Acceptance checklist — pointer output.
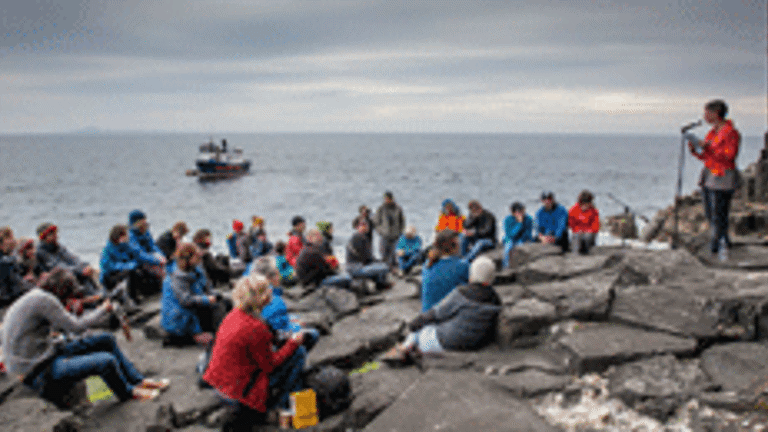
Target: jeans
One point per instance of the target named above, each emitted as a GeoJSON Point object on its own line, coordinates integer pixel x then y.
{"type": "Point", "coordinates": [375, 271]}
{"type": "Point", "coordinates": [508, 246]}
{"type": "Point", "coordinates": [409, 259]}
{"type": "Point", "coordinates": [717, 205]}
{"type": "Point", "coordinates": [286, 379]}
{"type": "Point", "coordinates": [91, 355]}
{"type": "Point", "coordinates": [387, 249]}
{"type": "Point", "coordinates": [477, 246]}
{"type": "Point", "coordinates": [340, 280]}
{"type": "Point", "coordinates": [584, 241]}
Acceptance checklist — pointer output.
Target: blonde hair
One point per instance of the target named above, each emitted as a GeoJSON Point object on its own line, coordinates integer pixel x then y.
{"type": "Point", "coordinates": [251, 293]}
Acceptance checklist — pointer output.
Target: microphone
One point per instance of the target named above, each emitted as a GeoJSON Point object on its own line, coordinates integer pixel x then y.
{"type": "Point", "coordinates": [690, 126]}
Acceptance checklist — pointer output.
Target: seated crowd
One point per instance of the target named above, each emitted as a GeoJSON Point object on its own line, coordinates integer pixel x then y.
{"type": "Point", "coordinates": [257, 350]}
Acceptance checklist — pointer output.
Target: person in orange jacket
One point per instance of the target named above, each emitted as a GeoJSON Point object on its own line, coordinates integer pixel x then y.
{"type": "Point", "coordinates": [584, 222]}
{"type": "Point", "coordinates": [450, 217]}
{"type": "Point", "coordinates": [719, 178]}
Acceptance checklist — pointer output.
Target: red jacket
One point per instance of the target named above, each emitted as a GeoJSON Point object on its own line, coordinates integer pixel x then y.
{"type": "Point", "coordinates": [450, 221]}
{"type": "Point", "coordinates": [293, 248]}
{"type": "Point", "coordinates": [720, 154]}
{"type": "Point", "coordinates": [243, 347]}
{"type": "Point", "coordinates": [583, 221]}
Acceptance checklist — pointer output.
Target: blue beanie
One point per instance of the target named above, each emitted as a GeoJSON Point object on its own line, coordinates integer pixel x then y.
{"type": "Point", "coordinates": [135, 216]}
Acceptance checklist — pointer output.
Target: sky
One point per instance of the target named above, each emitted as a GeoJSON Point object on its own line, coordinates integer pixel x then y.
{"type": "Point", "coordinates": [529, 66]}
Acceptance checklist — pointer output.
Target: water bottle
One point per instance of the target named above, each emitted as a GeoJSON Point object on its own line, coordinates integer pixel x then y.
{"type": "Point", "coordinates": [722, 251]}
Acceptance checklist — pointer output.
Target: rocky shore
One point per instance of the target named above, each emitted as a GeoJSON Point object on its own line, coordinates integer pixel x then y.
{"type": "Point", "coordinates": [620, 340]}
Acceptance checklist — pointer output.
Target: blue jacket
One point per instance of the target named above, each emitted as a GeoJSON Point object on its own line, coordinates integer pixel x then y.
{"type": "Point", "coordinates": [120, 257]}
{"type": "Point", "coordinates": [285, 268]}
{"type": "Point", "coordinates": [441, 278]}
{"type": "Point", "coordinates": [518, 232]}
{"type": "Point", "coordinates": [409, 245]}
{"type": "Point", "coordinates": [554, 222]}
{"type": "Point", "coordinates": [276, 313]}
{"type": "Point", "coordinates": [260, 248]}
{"type": "Point", "coordinates": [232, 245]}
{"type": "Point", "coordinates": [145, 245]}
{"type": "Point", "coordinates": [182, 291]}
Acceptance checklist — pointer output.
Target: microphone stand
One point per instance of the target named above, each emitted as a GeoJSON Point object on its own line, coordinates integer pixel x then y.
{"type": "Point", "coordinates": [680, 165]}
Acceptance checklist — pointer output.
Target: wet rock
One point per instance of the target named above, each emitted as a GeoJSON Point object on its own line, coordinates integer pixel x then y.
{"type": "Point", "coordinates": [336, 302]}
{"type": "Point", "coordinates": [33, 414]}
{"type": "Point", "coordinates": [530, 383]}
{"type": "Point", "coordinates": [457, 402]}
{"type": "Point", "coordinates": [741, 367]}
{"type": "Point", "coordinates": [355, 338]}
{"type": "Point", "coordinates": [597, 346]}
{"type": "Point", "coordinates": [666, 309]}
{"type": "Point", "coordinates": [375, 391]}
{"type": "Point", "coordinates": [524, 318]}
{"type": "Point", "coordinates": [559, 267]}
{"type": "Point", "coordinates": [658, 386]}
{"type": "Point", "coordinates": [584, 297]}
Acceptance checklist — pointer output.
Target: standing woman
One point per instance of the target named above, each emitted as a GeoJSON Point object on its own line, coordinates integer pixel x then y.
{"type": "Point", "coordinates": [719, 178]}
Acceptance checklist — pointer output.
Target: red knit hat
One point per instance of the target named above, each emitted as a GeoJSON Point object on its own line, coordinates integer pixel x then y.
{"type": "Point", "coordinates": [237, 225]}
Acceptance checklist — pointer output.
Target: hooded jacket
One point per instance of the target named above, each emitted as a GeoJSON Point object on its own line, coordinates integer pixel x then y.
{"type": "Point", "coordinates": [389, 220]}
{"type": "Point", "coordinates": [182, 291]}
{"type": "Point", "coordinates": [452, 221]}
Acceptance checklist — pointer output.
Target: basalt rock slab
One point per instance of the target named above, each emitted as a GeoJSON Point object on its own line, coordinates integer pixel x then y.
{"type": "Point", "coordinates": [559, 267]}
{"type": "Point", "coordinates": [318, 320]}
{"type": "Point", "coordinates": [584, 297]}
{"type": "Point", "coordinates": [34, 414]}
{"type": "Point", "coordinates": [523, 319]}
{"type": "Point", "coordinates": [509, 293]}
{"type": "Point", "coordinates": [530, 383]}
{"type": "Point", "coordinates": [355, 338]}
{"type": "Point", "coordinates": [740, 367]}
{"type": "Point", "coordinates": [401, 290]}
{"type": "Point", "coordinates": [530, 252]}
{"type": "Point", "coordinates": [744, 257]}
{"type": "Point", "coordinates": [667, 309]}
{"type": "Point", "coordinates": [375, 391]}
{"type": "Point", "coordinates": [457, 402]}
{"type": "Point", "coordinates": [596, 346]}
{"type": "Point", "coordinates": [336, 302]}
{"type": "Point", "coordinates": [659, 266]}
{"type": "Point", "coordinates": [549, 358]}
{"type": "Point", "coordinates": [658, 386]}
{"type": "Point", "coordinates": [153, 330]}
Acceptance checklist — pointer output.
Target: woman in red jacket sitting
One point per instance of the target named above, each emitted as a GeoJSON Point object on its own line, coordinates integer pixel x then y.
{"type": "Point", "coordinates": [584, 222]}
{"type": "Point", "coordinates": [244, 369]}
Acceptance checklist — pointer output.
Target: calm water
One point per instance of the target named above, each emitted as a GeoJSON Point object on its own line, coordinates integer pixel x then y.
{"type": "Point", "coordinates": [87, 183]}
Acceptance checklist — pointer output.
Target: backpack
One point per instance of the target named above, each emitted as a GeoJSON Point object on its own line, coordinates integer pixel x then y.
{"type": "Point", "coordinates": [332, 389]}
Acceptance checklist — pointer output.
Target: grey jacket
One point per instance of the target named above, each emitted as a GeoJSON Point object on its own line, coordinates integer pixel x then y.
{"type": "Point", "coordinates": [26, 332]}
{"type": "Point", "coordinates": [389, 221]}
{"type": "Point", "coordinates": [50, 256]}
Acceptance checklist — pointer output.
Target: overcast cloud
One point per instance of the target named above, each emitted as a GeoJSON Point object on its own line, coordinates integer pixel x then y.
{"type": "Point", "coordinates": [632, 66]}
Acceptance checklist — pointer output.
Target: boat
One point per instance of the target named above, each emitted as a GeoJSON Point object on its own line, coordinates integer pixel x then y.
{"type": "Point", "coordinates": [216, 162]}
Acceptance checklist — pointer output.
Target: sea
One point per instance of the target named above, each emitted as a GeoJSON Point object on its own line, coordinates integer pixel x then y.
{"type": "Point", "coordinates": [86, 183]}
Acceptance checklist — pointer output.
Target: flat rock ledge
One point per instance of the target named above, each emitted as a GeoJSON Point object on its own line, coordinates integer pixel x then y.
{"type": "Point", "coordinates": [622, 339]}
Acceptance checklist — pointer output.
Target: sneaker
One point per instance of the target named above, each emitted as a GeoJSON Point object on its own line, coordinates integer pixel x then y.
{"type": "Point", "coordinates": [161, 384]}
{"type": "Point", "coordinates": [397, 355]}
{"type": "Point", "coordinates": [144, 394]}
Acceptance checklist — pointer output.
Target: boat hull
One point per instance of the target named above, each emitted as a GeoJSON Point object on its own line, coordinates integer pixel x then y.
{"type": "Point", "coordinates": [212, 170]}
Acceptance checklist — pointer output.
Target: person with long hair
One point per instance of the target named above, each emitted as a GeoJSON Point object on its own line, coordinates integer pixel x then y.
{"type": "Point", "coordinates": [444, 270]}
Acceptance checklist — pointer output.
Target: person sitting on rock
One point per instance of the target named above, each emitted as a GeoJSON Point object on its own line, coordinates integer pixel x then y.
{"type": "Point", "coordinates": [216, 268]}
{"type": "Point", "coordinates": [479, 231]}
{"type": "Point", "coordinates": [295, 240]}
{"type": "Point", "coordinates": [408, 250]}
{"type": "Point", "coordinates": [552, 222]}
{"type": "Point", "coordinates": [12, 283]}
{"type": "Point", "coordinates": [122, 262]}
{"type": "Point", "coordinates": [141, 239]}
{"type": "Point", "coordinates": [29, 267]}
{"type": "Point", "coordinates": [584, 221]}
{"type": "Point", "coordinates": [443, 270]}
{"type": "Point", "coordinates": [51, 254]}
{"type": "Point", "coordinates": [168, 240]}
{"type": "Point", "coordinates": [190, 310]}
{"type": "Point", "coordinates": [450, 217]}
{"type": "Point", "coordinates": [53, 365]}
{"type": "Point", "coordinates": [360, 261]}
{"type": "Point", "coordinates": [247, 371]}
{"type": "Point", "coordinates": [464, 320]}
{"type": "Point", "coordinates": [276, 312]}
{"type": "Point", "coordinates": [238, 243]}
{"type": "Point", "coordinates": [287, 274]}
{"type": "Point", "coordinates": [518, 229]}
{"type": "Point", "coordinates": [326, 229]}
{"type": "Point", "coordinates": [312, 267]}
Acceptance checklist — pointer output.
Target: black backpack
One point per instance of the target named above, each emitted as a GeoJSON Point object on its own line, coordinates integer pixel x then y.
{"type": "Point", "coordinates": [333, 390]}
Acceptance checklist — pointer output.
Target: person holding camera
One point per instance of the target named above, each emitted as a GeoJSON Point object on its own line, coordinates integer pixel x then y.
{"type": "Point", "coordinates": [719, 177]}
